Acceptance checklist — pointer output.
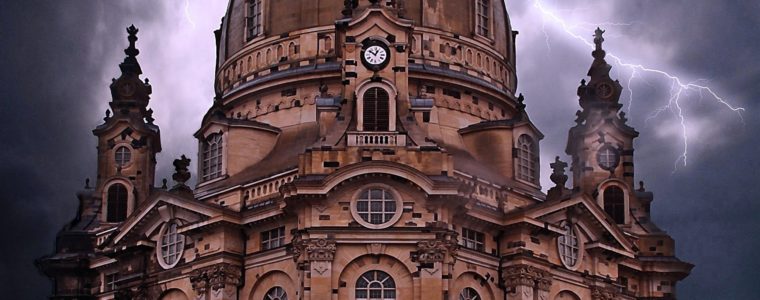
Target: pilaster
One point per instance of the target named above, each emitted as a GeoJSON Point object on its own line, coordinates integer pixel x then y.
{"type": "Point", "coordinates": [525, 282]}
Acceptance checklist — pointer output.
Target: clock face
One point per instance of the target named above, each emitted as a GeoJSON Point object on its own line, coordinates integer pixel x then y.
{"type": "Point", "coordinates": [375, 55]}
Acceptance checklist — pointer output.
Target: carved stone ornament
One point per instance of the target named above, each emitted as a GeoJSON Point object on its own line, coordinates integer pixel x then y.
{"type": "Point", "coordinates": [433, 251]}
{"type": "Point", "coordinates": [297, 247]}
{"type": "Point", "coordinates": [216, 277]}
{"type": "Point", "coordinates": [525, 275]}
{"type": "Point", "coordinates": [320, 250]}
{"type": "Point", "coordinates": [599, 293]}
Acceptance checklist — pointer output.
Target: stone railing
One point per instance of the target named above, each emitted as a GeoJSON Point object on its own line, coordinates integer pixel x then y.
{"type": "Point", "coordinates": [376, 139]}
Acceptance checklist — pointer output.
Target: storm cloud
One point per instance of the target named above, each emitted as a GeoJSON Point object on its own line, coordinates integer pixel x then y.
{"type": "Point", "coordinates": [58, 57]}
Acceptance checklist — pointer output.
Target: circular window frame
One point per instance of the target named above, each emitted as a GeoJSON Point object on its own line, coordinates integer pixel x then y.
{"type": "Point", "coordinates": [396, 216]}
{"type": "Point", "coordinates": [615, 151]}
{"type": "Point", "coordinates": [131, 155]}
{"type": "Point", "coordinates": [160, 244]}
{"type": "Point", "coordinates": [579, 259]}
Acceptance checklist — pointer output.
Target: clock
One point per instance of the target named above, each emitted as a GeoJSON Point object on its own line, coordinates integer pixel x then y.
{"type": "Point", "coordinates": [375, 55]}
{"type": "Point", "coordinates": [604, 90]}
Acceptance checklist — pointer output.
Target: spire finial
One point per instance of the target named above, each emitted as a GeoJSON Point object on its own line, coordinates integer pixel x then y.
{"type": "Point", "coordinates": [599, 38]}
{"type": "Point", "coordinates": [130, 64]}
{"type": "Point", "coordinates": [132, 38]}
{"type": "Point", "coordinates": [599, 52]}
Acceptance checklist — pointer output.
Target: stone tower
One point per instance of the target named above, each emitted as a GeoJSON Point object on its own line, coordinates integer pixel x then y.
{"type": "Point", "coordinates": [371, 150]}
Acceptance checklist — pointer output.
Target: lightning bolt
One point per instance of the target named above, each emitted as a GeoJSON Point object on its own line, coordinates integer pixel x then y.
{"type": "Point", "coordinates": [187, 13]}
{"type": "Point", "coordinates": [678, 86]}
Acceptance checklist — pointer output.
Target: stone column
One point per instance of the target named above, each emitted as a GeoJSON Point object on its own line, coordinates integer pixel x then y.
{"type": "Point", "coordinates": [216, 282]}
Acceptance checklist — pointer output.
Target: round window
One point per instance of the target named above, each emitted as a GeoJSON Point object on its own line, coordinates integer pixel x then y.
{"type": "Point", "coordinates": [608, 157]}
{"type": "Point", "coordinates": [122, 156]}
{"type": "Point", "coordinates": [171, 245]}
{"type": "Point", "coordinates": [569, 247]}
{"type": "Point", "coordinates": [376, 207]}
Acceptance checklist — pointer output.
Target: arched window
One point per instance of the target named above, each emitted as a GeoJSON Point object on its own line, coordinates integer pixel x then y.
{"type": "Point", "coordinates": [469, 294]}
{"type": "Point", "coordinates": [276, 293]}
{"type": "Point", "coordinates": [174, 295]}
{"type": "Point", "coordinates": [122, 156]}
{"type": "Point", "coordinates": [569, 246]}
{"type": "Point", "coordinates": [566, 295]}
{"type": "Point", "coordinates": [212, 157]}
{"type": "Point", "coordinates": [614, 203]}
{"type": "Point", "coordinates": [376, 110]}
{"type": "Point", "coordinates": [117, 203]}
{"type": "Point", "coordinates": [171, 245]}
{"type": "Point", "coordinates": [483, 18]}
{"type": "Point", "coordinates": [253, 20]}
{"type": "Point", "coordinates": [527, 159]}
{"type": "Point", "coordinates": [375, 285]}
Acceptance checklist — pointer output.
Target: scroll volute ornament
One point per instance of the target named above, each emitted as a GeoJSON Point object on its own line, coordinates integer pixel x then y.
{"type": "Point", "coordinates": [525, 275]}
{"type": "Point", "coordinates": [216, 277]}
{"type": "Point", "coordinates": [432, 251]}
{"type": "Point", "coordinates": [312, 249]}
{"type": "Point", "coordinates": [599, 293]}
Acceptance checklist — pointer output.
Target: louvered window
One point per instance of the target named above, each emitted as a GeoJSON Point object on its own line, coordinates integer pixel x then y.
{"type": "Point", "coordinates": [117, 203]}
{"type": "Point", "coordinates": [376, 110]}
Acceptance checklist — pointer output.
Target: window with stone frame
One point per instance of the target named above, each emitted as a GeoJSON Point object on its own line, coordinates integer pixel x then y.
{"type": "Point", "coordinates": [375, 285]}
{"type": "Point", "coordinates": [212, 157]}
{"type": "Point", "coordinates": [469, 294]}
{"type": "Point", "coordinates": [254, 19]}
{"type": "Point", "coordinates": [110, 282]}
{"type": "Point", "coordinates": [527, 159]}
{"type": "Point", "coordinates": [116, 207]}
{"type": "Point", "coordinates": [276, 293]}
{"type": "Point", "coordinates": [472, 239]}
{"type": "Point", "coordinates": [376, 114]}
{"type": "Point", "coordinates": [376, 206]}
{"type": "Point", "coordinates": [569, 246]}
{"type": "Point", "coordinates": [614, 203]}
{"type": "Point", "coordinates": [172, 245]}
{"type": "Point", "coordinates": [122, 156]}
{"type": "Point", "coordinates": [274, 238]}
{"type": "Point", "coordinates": [483, 18]}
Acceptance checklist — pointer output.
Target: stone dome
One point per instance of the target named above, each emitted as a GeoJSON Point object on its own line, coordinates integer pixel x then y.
{"type": "Point", "coordinates": [456, 20]}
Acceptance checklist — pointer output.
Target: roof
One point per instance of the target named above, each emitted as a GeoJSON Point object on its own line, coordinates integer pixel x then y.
{"type": "Point", "coordinates": [293, 141]}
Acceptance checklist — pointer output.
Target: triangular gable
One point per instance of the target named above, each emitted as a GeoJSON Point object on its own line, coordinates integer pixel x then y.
{"type": "Point", "coordinates": [160, 208]}
{"type": "Point", "coordinates": [546, 209]}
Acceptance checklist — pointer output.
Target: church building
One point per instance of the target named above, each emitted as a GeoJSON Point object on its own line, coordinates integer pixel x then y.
{"type": "Point", "coordinates": [365, 150]}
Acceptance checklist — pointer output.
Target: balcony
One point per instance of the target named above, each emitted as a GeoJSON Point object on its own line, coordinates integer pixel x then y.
{"type": "Point", "coordinates": [376, 139]}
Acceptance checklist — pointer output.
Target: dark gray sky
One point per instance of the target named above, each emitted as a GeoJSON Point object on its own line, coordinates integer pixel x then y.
{"type": "Point", "coordinates": [57, 59]}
